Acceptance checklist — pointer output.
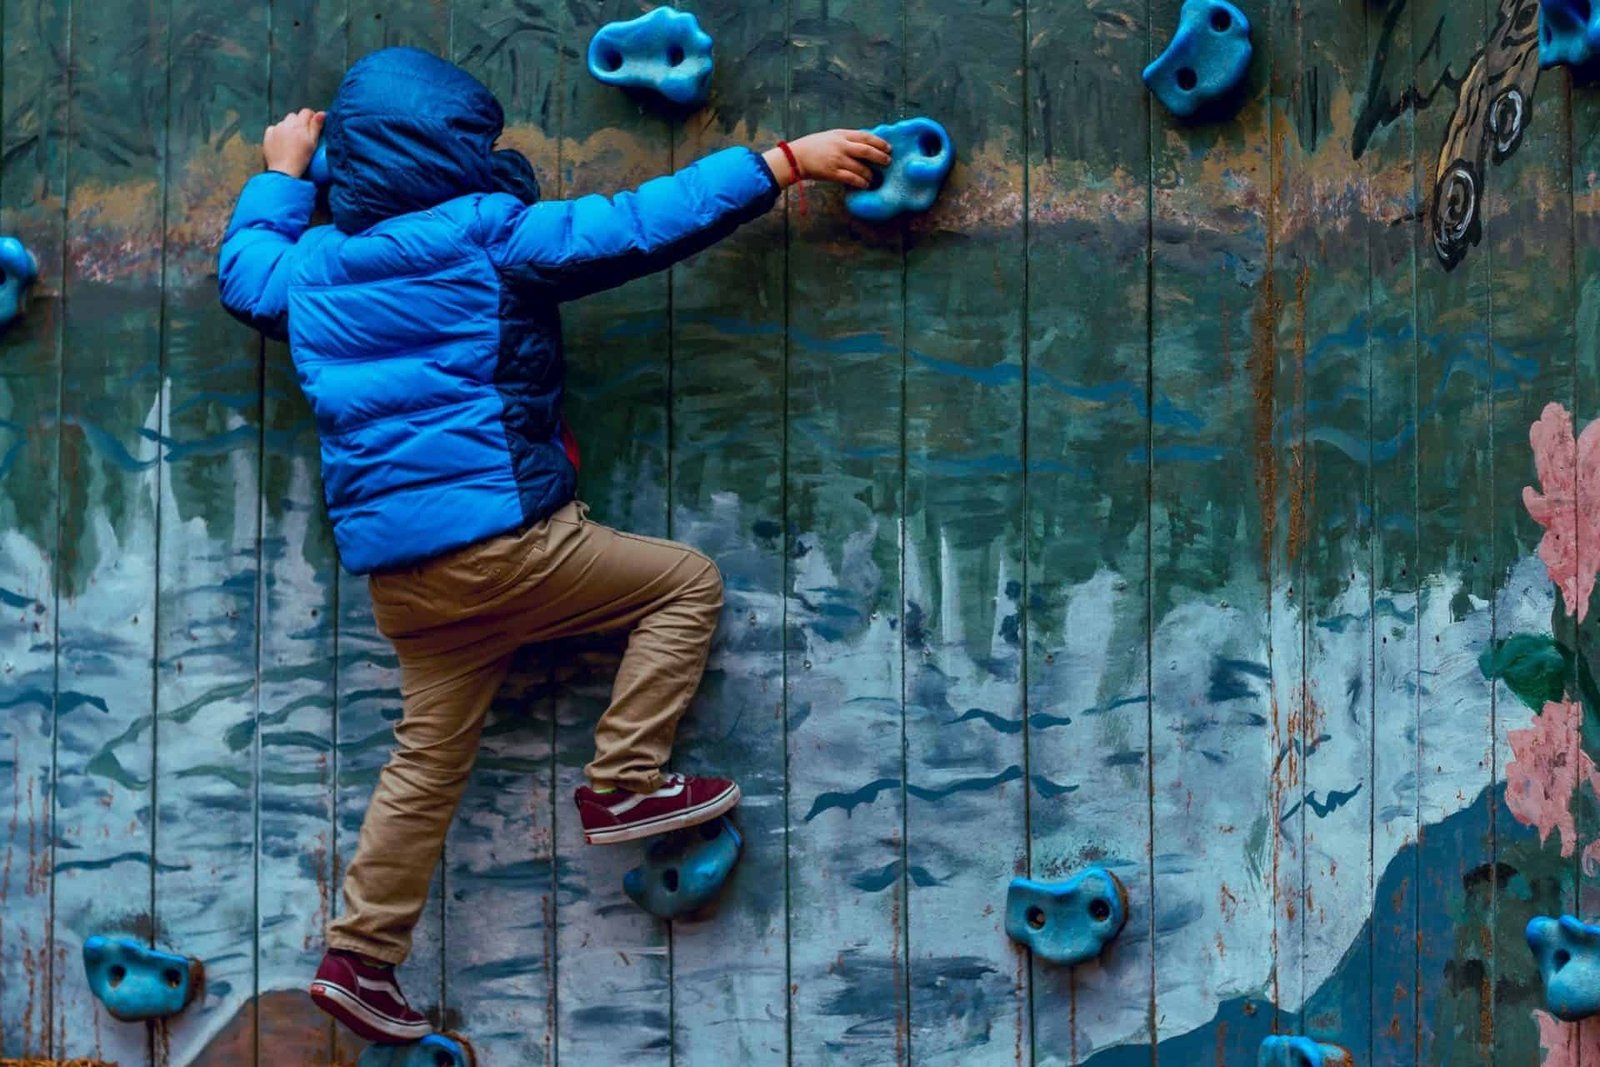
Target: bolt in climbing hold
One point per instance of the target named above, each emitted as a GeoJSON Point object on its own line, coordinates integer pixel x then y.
{"type": "Point", "coordinates": [665, 52]}
{"type": "Point", "coordinates": [1569, 33]}
{"type": "Point", "coordinates": [921, 157]}
{"type": "Point", "coordinates": [18, 269]}
{"type": "Point", "coordinates": [1204, 67]}
{"type": "Point", "coordinates": [684, 871]}
{"type": "Point", "coordinates": [136, 982]}
{"type": "Point", "coordinates": [435, 1050]}
{"type": "Point", "coordinates": [1067, 922]}
{"type": "Point", "coordinates": [1283, 1051]}
{"type": "Point", "coordinates": [1567, 952]}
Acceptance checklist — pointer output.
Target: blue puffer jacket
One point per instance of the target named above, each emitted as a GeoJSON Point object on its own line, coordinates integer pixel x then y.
{"type": "Point", "coordinates": [424, 323]}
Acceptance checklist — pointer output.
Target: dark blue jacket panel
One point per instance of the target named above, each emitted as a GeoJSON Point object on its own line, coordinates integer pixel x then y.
{"type": "Point", "coordinates": [424, 324]}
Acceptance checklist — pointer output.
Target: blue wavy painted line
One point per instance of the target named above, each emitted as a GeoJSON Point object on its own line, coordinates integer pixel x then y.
{"type": "Point", "coordinates": [141, 858]}
{"type": "Point", "coordinates": [872, 790]}
{"type": "Point", "coordinates": [17, 600]}
{"type": "Point", "coordinates": [108, 447]}
{"type": "Point", "coordinates": [1322, 809]}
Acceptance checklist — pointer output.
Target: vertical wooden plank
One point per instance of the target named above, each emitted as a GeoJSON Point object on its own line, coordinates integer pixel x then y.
{"type": "Point", "coordinates": [32, 190]}
{"type": "Point", "coordinates": [1529, 258]}
{"type": "Point", "coordinates": [1088, 464]}
{"type": "Point", "coordinates": [1584, 116]}
{"type": "Point", "coordinates": [1389, 166]}
{"type": "Point", "coordinates": [208, 523]}
{"type": "Point", "coordinates": [966, 803]}
{"type": "Point", "coordinates": [844, 480]}
{"type": "Point", "coordinates": [1287, 532]}
{"type": "Point", "coordinates": [729, 310]}
{"type": "Point", "coordinates": [1331, 224]}
{"type": "Point", "coordinates": [614, 993]}
{"type": "Point", "coordinates": [1454, 447]}
{"type": "Point", "coordinates": [499, 931]}
{"type": "Point", "coordinates": [111, 418]}
{"type": "Point", "coordinates": [425, 24]}
{"type": "Point", "coordinates": [299, 697]}
{"type": "Point", "coordinates": [1215, 302]}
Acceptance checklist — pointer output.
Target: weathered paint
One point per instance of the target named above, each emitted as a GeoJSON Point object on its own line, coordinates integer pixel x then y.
{"type": "Point", "coordinates": [1147, 504]}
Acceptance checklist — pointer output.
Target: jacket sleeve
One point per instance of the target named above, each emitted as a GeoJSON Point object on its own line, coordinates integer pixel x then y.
{"type": "Point", "coordinates": [252, 273]}
{"type": "Point", "coordinates": [576, 247]}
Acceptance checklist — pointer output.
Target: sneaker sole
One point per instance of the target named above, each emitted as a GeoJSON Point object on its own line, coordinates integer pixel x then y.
{"type": "Point", "coordinates": [721, 804]}
{"type": "Point", "coordinates": [367, 1023]}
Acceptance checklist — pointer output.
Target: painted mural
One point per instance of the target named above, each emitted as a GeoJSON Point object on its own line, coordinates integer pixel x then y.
{"type": "Point", "coordinates": [1213, 504]}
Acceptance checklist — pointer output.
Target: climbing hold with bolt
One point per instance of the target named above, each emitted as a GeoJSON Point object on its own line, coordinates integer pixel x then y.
{"type": "Point", "coordinates": [1204, 69]}
{"type": "Point", "coordinates": [1067, 922]}
{"type": "Point", "coordinates": [684, 871]}
{"type": "Point", "coordinates": [18, 271]}
{"type": "Point", "coordinates": [435, 1050]}
{"type": "Point", "coordinates": [1567, 951]}
{"type": "Point", "coordinates": [921, 155]}
{"type": "Point", "coordinates": [136, 982]}
{"type": "Point", "coordinates": [1284, 1051]}
{"type": "Point", "coordinates": [665, 52]}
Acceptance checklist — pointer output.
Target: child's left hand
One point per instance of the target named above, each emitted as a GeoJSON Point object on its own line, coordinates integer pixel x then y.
{"type": "Point", "coordinates": [289, 145]}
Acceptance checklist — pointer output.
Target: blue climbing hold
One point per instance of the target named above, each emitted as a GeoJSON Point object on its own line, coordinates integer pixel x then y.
{"type": "Point", "coordinates": [684, 871]}
{"type": "Point", "coordinates": [1569, 33]}
{"type": "Point", "coordinates": [665, 51]}
{"type": "Point", "coordinates": [1067, 922]}
{"type": "Point", "coordinates": [921, 158]}
{"type": "Point", "coordinates": [319, 167]}
{"type": "Point", "coordinates": [1204, 67]}
{"type": "Point", "coordinates": [136, 982]}
{"type": "Point", "coordinates": [18, 269]}
{"type": "Point", "coordinates": [1280, 1051]}
{"type": "Point", "coordinates": [1567, 952]}
{"type": "Point", "coordinates": [435, 1050]}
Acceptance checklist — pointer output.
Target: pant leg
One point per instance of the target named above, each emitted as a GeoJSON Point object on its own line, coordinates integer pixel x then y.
{"type": "Point", "coordinates": [449, 675]}
{"type": "Point", "coordinates": [573, 576]}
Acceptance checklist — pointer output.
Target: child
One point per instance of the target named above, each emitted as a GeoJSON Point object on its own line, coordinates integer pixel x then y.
{"type": "Point", "coordinates": [425, 330]}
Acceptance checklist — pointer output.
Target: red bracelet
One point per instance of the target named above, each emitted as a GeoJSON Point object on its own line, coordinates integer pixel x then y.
{"type": "Point", "coordinates": [794, 167]}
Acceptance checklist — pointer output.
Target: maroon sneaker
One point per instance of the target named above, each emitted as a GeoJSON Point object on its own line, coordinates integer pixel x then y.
{"type": "Point", "coordinates": [367, 999]}
{"type": "Point", "coordinates": [681, 800]}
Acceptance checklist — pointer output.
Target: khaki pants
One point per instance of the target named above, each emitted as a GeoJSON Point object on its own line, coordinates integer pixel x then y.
{"type": "Point", "coordinates": [455, 623]}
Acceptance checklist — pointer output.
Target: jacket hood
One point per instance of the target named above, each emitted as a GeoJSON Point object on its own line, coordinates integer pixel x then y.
{"type": "Point", "coordinates": [407, 131]}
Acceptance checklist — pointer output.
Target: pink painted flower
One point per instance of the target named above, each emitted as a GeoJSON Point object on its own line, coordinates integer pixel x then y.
{"type": "Point", "coordinates": [1567, 1044]}
{"type": "Point", "coordinates": [1547, 767]}
{"type": "Point", "coordinates": [1569, 507]}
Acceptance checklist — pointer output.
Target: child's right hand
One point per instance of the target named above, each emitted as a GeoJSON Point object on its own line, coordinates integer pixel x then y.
{"type": "Point", "coordinates": [834, 156]}
{"type": "Point", "coordinates": [289, 145]}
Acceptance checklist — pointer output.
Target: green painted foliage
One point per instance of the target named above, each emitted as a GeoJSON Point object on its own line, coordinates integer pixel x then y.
{"type": "Point", "coordinates": [1533, 666]}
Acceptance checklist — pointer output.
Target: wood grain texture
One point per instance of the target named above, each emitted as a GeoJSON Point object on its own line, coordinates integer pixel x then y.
{"type": "Point", "coordinates": [614, 970]}
{"type": "Point", "coordinates": [1454, 450]}
{"type": "Point", "coordinates": [965, 304]}
{"type": "Point", "coordinates": [845, 647]}
{"type": "Point", "coordinates": [1086, 597]}
{"type": "Point", "coordinates": [1390, 168]}
{"type": "Point", "coordinates": [729, 315]}
{"type": "Point", "coordinates": [1529, 246]}
{"type": "Point", "coordinates": [111, 418]}
{"type": "Point", "coordinates": [208, 524]}
{"type": "Point", "coordinates": [1214, 497]}
{"type": "Point", "coordinates": [32, 194]}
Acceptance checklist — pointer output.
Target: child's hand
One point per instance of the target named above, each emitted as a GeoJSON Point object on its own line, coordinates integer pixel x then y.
{"type": "Point", "coordinates": [835, 156]}
{"type": "Point", "coordinates": [289, 145]}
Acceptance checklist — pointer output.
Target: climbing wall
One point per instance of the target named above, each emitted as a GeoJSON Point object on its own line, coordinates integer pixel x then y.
{"type": "Point", "coordinates": [1164, 500]}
